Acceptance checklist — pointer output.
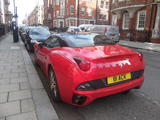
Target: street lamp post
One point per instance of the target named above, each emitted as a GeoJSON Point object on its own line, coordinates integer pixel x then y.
{"type": "Point", "coordinates": [14, 24]}
{"type": "Point", "coordinates": [96, 11]}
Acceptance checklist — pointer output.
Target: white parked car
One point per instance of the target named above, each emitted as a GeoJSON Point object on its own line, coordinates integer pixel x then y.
{"type": "Point", "coordinates": [85, 27]}
{"type": "Point", "coordinates": [73, 29]}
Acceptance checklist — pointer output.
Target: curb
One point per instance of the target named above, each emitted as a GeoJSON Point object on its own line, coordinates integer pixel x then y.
{"type": "Point", "coordinates": [139, 48]}
{"type": "Point", "coordinates": [32, 76]}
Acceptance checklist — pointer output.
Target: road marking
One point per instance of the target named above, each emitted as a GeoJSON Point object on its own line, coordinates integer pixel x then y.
{"type": "Point", "coordinates": [14, 47]}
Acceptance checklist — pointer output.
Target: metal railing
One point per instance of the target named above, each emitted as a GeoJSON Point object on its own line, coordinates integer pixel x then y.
{"type": "Point", "coordinates": [2, 30]}
{"type": "Point", "coordinates": [136, 35]}
{"type": "Point", "coordinates": [155, 34]}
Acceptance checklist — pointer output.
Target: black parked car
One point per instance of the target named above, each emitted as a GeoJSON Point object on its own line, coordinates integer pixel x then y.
{"type": "Point", "coordinates": [35, 34]}
{"type": "Point", "coordinates": [23, 32]}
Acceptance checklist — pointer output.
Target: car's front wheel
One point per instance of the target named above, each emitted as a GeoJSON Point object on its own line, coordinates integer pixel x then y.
{"type": "Point", "coordinates": [54, 86]}
{"type": "Point", "coordinates": [29, 47]}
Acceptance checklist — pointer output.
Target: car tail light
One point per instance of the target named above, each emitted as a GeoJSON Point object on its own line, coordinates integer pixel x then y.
{"type": "Point", "coordinates": [141, 56]}
{"type": "Point", "coordinates": [83, 64]}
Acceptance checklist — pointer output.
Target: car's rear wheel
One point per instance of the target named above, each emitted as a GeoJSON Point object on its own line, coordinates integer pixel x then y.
{"type": "Point", "coordinates": [54, 86]}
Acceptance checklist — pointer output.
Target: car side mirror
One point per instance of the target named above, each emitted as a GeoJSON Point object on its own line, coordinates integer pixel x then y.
{"type": "Point", "coordinates": [27, 32]}
{"type": "Point", "coordinates": [117, 41]}
{"type": "Point", "coordinates": [40, 45]}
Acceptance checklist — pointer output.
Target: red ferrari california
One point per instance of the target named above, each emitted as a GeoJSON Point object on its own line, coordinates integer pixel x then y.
{"type": "Point", "coordinates": [83, 67]}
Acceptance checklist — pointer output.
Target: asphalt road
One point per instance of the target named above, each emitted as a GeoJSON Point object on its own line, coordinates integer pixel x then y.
{"type": "Point", "coordinates": [142, 104]}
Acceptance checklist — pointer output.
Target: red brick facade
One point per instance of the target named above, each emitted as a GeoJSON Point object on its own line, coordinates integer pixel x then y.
{"type": "Point", "coordinates": [48, 13]}
{"type": "Point", "coordinates": [136, 19]}
{"type": "Point", "coordinates": [75, 12]}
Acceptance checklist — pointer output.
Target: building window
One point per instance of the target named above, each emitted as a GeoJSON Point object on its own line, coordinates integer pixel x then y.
{"type": "Point", "coordinates": [141, 20]}
{"type": "Point", "coordinates": [82, 22]}
{"type": "Point", "coordinates": [83, 11]}
{"type": "Point", "coordinates": [72, 9]}
{"type": "Point", "coordinates": [91, 22]}
{"type": "Point", "coordinates": [57, 2]}
{"type": "Point", "coordinates": [57, 13]}
{"type": "Point", "coordinates": [114, 19]}
{"type": "Point", "coordinates": [114, 1]}
{"type": "Point", "coordinates": [102, 4]}
{"type": "Point", "coordinates": [71, 23]}
{"type": "Point", "coordinates": [89, 11]}
{"type": "Point", "coordinates": [107, 4]}
{"type": "Point", "coordinates": [122, 0]}
{"type": "Point", "coordinates": [126, 20]}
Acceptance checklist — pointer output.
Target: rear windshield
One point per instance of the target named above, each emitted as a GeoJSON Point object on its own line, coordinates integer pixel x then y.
{"type": "Point", "coordinates": [39, 31]}
{"type": "Point", "coordinates": [78, 40]}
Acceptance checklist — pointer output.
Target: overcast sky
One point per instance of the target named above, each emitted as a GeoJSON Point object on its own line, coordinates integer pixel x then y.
{"type": "Point", "coordinates": [24, 7]}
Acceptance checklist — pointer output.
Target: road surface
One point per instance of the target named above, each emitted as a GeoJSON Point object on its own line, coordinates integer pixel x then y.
{"type": "Point", "coordinates": [142, 104]}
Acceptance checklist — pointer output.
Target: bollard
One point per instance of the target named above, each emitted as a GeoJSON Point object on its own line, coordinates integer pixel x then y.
{"type": "Point", "coordinates": [15, 33]}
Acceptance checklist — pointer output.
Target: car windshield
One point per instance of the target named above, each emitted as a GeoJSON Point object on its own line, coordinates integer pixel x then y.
{"type": "Point", "coordinates": [78, 40]}
{"type": "Point", "coordinates": [39, 31]}
{"type": "Point", "coordinates": [76, 30]}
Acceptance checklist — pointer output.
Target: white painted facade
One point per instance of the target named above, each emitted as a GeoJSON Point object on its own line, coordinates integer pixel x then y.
{"type": "Point", "coordinates": [2, 11]}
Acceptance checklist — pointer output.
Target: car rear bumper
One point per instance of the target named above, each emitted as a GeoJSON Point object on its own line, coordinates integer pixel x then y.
{"type": "Point", "coordinates": [92, 95]}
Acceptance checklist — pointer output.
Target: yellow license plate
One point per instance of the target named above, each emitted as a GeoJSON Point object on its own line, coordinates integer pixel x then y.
{"type": "Point", "coordinates": [119, 78]}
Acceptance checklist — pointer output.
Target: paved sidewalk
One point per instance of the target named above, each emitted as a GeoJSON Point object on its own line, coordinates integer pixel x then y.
{"type": "Point", "coordinates": [22, 96]}
{"type": "Point", "coordinates": [147, 46]}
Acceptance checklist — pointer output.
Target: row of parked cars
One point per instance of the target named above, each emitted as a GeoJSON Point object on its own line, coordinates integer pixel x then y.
{"type": "Point", "coordinates": [32, 34]}
{"type": "Point", "coordinates": [81, 66]}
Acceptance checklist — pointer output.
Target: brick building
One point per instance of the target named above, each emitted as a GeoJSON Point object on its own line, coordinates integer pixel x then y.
{"type": "Point", "coordinates": [139, 20]}
{"type": "Point", "coordinates": [1, 12]}
{"type": "Point", "coordinates": [48, 13]}
{"type": "Point", "coordinates": [5, 14]}
{"type": "Point", "coordinates": [36, 16]}
{"type": "Point", "coordinates": [75, 12]}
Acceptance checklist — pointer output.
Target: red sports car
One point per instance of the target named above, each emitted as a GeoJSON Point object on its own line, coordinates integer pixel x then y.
{"type": "Point", "coordinates": [83, 67]}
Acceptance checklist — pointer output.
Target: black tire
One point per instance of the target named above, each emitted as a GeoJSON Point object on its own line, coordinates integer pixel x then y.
{"type": "Point", "coordinates": [126, 92]}
{"type": "Point", "coordinates": [29, 47]}
{"type": "Point", "coordinates": [53, 86]}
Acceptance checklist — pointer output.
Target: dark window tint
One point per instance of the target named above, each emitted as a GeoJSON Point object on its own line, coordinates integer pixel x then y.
{"type": "Point", "coordinates": [39, 31]}
{"type": "Point", "coordinates": [79, 40]}
{"type": "Point", "coordinates": [52, 42]}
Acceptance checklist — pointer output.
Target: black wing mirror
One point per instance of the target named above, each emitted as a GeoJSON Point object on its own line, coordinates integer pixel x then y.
{"type": "Point", "coordinates": [27, 32]}
{"type": "Point", "coordinates": [40, 45]}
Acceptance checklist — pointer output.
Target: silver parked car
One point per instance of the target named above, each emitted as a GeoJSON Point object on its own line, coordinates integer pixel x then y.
{"type": "Point", "coordinates": [112, 32]}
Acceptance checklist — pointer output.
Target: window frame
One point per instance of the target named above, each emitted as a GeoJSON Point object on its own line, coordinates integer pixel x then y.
{"type": "Point", "coordinates": [124, 21]}
{"type": "Point", "coordinates": [46, 45]}
{"type": "Point", "coordinates": [89, 11]}
{"type": "Point", "coordinates": [71, 9]}
{"type": "Point", "coordinates": [102, 3]}
{"type": "Point", "coordinates": [114, 19]}
{"type": "Point", "coordinates": [138, 18]}
{"type": "Point", "coordinates": [83, 11]}
{"type": "Point", "coordinates": [106, 5]}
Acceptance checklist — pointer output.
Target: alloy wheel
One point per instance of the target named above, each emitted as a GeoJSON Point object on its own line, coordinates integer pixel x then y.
{"type": "Point", "coordinates": [53, 85]}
